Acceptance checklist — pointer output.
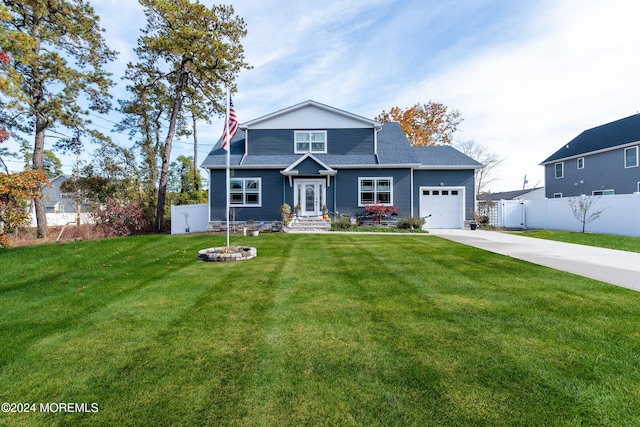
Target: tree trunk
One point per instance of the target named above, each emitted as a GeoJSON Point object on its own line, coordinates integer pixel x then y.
{"type": "Point", "coordinates": [195, 156]}
{"type": "Point", "coordinates": [166, 156]}
{"type": "Point", "coordinates": [38, 153]}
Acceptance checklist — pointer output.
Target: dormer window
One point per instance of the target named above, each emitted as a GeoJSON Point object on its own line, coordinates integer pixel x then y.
{"type": "Point", "coordinates": [314, 141]}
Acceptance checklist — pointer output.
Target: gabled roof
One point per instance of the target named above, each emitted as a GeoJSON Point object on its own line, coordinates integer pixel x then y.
{"type": "Point", "coordinates": [298, 108]}
{"type": "Point", "coordinates": [323, 168]}
{"type": "Point", "coordinates": [393, 150]}
{"type": "Point", "coordinates": [601, 138]}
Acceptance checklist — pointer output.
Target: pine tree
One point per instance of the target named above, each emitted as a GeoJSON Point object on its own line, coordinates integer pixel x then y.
{"type": "Point", "coordinates": [57, 56]}
{"type": "Point", "coordinates": [196, 52]}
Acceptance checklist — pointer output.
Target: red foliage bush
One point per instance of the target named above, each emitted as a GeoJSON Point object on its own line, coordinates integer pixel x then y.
{"type": "Point", "coordinates": [120, 218]}
{"type": "Point", "coordinates": [378, 211]}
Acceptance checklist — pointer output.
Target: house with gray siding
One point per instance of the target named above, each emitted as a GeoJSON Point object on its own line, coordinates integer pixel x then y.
{"type": "Point", "coordinates": [600, 161]}
{"type": "Point", "coordinates": [318, 156]}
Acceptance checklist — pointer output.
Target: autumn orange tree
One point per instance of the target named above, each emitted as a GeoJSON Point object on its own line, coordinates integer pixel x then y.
{"type": "Point", "coordinates": [16, 192]}
{"type": "Point", "coordinates": [425, 124]}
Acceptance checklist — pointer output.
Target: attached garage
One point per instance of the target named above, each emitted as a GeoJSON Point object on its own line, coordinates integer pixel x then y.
{"type": "Point", "coordinates": [443, 207]}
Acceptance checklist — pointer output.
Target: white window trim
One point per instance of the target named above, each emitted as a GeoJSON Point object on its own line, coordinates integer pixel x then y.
{"type": "Point", "coordinates": [557, 195]}
{"type": "Point", "coordinates": [375, 179]}
{"type": "Point", "coordinates": [578, 163]}
{"type": "Point", "coordinates": [625, 157]}
{"type": "Point", "coordinates": [310, 150]}
{"type": "Point", "coordinates": [555, 170]}
{"type": "Point", "coordinates": [608, 192]}
{"type": "Point", "coordinates": [244, 193]}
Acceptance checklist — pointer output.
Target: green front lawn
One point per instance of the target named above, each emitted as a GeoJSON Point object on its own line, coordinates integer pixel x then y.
{"type": "Point", "coordinates": [610, 241]}
{"type": "Point", "coordinates": [317, 330]}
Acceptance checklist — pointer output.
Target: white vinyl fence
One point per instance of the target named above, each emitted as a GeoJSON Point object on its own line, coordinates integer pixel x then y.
{"type": "Point", "coordinates": [189, 218]}
{"type": "Point", "coordinates": [620, 215]}
{"type": "Point", "coordinates": [60, 219]}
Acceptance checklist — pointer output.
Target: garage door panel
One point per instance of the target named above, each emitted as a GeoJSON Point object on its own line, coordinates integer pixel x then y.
{"type": "Point", "coordinates": [443, 207]}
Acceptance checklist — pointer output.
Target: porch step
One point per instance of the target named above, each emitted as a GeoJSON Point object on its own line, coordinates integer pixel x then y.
{"type": "Point", "coordinates": [310, 224]}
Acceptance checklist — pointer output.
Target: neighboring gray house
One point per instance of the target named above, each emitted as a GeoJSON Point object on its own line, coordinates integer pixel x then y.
{"type": "Point", "coordinates": [56, 202]}
{"type": "Point", "coordinates": [315, 155]}
{"type": "Point", "coordinates": [599, 161]}
{"type": "Point", "coordinates": [526, 194]}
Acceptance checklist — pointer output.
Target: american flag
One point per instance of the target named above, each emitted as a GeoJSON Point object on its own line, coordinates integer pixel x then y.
{"type": "Point", "coordinates": [233, 126]}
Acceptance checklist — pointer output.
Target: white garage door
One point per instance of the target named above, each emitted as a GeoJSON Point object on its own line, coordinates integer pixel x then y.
{"type": "Point", "coordinates": [443, 207]}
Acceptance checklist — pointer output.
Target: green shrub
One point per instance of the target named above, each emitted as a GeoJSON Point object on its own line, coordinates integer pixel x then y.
{"type": "Point", "coordinates": [342, 223]}
{"type": "Point", "coordinates": [411, 223]}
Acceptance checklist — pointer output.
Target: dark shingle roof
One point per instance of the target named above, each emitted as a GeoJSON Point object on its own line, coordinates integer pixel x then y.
{"type": "Point", "coordinates": [504, 195]}
{"type": "Point", "coordinates": [393, 149]}
{"type": "Point", "coordinates": [620, 132]}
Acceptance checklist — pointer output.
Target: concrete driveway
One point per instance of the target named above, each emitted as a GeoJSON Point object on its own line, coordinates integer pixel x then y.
{"type": "Point", "coordinates": [607, 265]}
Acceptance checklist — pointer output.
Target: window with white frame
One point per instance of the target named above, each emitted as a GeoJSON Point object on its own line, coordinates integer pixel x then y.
{"type": "Point", "coordinates": [314, 141]}
{"type": "Point", "coordinates": [375, 190]}
{"type": "Point", "coordinates": [245, 192]}
{"type": "Point", "coordinates": [580, 162]}
{"type": "Point", "coordinates": [631, 157]}
{"type": "Point", "coordinates": [603, 192]}
{"type": "Point", "coordinates": [557, 195]}
{"type": "Point", "coordinates": [559, 170]}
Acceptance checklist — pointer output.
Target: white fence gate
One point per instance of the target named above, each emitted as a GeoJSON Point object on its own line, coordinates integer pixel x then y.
{"type": "Point", "coordinates": [511, 214]}
{"type": "Point", "coordinates": [189, 218]}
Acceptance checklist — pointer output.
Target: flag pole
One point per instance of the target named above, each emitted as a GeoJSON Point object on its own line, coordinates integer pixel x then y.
{"type": "Point", "coordinates": [228, 172]}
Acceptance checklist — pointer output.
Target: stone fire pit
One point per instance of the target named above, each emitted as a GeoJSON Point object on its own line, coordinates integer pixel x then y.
{"type": "Point", "coordinates": [224, 254]}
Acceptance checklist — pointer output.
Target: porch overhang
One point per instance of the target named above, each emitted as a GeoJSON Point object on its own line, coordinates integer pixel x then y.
{"type": "Point", "coordinates": [324, 170]}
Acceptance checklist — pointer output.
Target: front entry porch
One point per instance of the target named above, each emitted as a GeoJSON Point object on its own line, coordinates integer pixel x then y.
{"type": "Point", "coordinates": [311, 195]}
{"type": "Point", "coordinates": [308, 225]}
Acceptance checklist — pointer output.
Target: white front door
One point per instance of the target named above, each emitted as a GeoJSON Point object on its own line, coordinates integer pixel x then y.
{"type": "Point", "coordinates": [310, 194]}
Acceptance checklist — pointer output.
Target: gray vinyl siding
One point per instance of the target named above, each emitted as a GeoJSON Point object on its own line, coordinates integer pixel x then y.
{"type": "Point", "coordinates": [217, 195]}
{"type": "Point", "coordinates": [602, 171]}
{"type": "Point", "coordinates": [273, 188]}
{"type": "Point", "coordinates": [450, 178]}
{"type": "Point", "coordinates": [350, 141]}
{"type": "Point", "coordinates": [270, 141]}
{"type": "Point", "coordinates": [347, 188]}
{"type": "Point", "coordinates": [309, 167]}
{"type": "Point", "coordinates": [339, 141]}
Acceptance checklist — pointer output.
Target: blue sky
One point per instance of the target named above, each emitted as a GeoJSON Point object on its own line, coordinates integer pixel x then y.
{"type": "Point", "coordinates": [527, 76]}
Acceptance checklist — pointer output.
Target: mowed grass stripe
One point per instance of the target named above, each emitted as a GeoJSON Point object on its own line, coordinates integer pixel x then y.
{"type": "Point", "coordinates": [318, 330]}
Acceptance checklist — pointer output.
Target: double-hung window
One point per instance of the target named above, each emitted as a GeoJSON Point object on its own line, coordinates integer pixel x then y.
{"type": "Point", "coordinates": [314, 141]}
{"type": "Point", "coordinates": [580, 162]}
{"type": "Point", "coordinates": [245, 192]}
{"type": "Point", "coordinates": [559, 170]}
{"type": "Point", "coordinates": [631, 157]}
{"type": "Point", "coordinates": [375, 190]}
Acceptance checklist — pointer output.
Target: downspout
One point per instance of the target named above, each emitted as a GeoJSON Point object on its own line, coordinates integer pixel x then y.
{"type": "Point", "coordinates": [412, 194]}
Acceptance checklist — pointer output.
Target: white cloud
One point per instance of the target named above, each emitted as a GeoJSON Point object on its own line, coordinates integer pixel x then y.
{"type": "Point", "coordinates": [575, 69]}
{"type": "Point", "coordinates": [527, 76]}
